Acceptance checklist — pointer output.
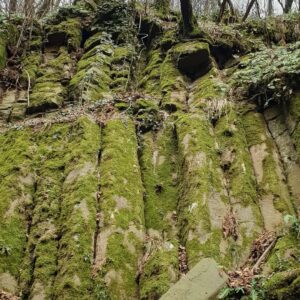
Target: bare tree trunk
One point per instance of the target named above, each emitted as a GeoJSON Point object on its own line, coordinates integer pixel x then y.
{"type": "Point", "coordinates": [187, 16]}
{"type": "Point", "coordinates": [222, 10]}
{"type": "Point", "coordinates": [257, 8]}
{"type": "Point", "coordinates": [223, 7]}
{"type": "Point", "coordinates": [288, 6]}
{"type": "Point", "coordinates": [231, 7]}
{"type": "Point", "coordinates": [45, 8]}
{"type": "Point", "coordinates": [252, 2]}
{"type": "Point", "coordinates": [270, 8]}
{"type": "Point", "coordinates": [12, 6]}
{"type": "Point", "coordinates": [28, 8]}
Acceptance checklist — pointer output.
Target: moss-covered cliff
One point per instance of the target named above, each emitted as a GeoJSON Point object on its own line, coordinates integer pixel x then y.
{"type": "Point", "coordinates": [129, 153]}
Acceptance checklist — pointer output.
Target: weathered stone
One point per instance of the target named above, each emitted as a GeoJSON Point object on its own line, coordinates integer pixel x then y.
{"type": "Point", "coordinates": [193, 58]}
{"type": "Point", "coordinates": [203, 282]}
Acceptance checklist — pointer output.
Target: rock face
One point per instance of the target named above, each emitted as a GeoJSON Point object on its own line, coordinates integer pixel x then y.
{"type": "Point", "coordinates": [193, 59]}
{"type": "Point", "coordinates": [125, 164]}
{"type": "Point", "coordinates": [203, 282]}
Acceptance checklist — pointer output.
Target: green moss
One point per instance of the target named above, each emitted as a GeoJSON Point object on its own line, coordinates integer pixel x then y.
{"type": "Point", "coordinates": [16, 192]}
{"type": "Point", "coordinates": [71, 27]}
{"type": "Point", "coordinates": [271, 182]}
{"type": "Point", "coordinates": [283, 285]}
{"type": "Point", "coordinates": [210, 93]}
{"type": "Point", "coordinates": [122, 54]}
{"type": "Point", "coordinates": [92, 80]}
{"type": "Point", "coordinates": [31, 64]}
{"type": "Point", "coordinates": [8, 37]}
{"type": "Point", "coordinates": [169, 39]}
{"type": "Point", "coordinates": [160, 175]}
{"type": "Point", "coordinates": [201, 191]}
{"type": "Point", "coordinates": [36, 43]}
{"type": "Point", "coordinates": [96, 39]}
{"type": "Point", "coordinates": [160, 271]}
{"type": "Point", "coordinates": [43, 237]}
{"type": "Point", "coordinates": [294, 110]}
{"type": "Point", "coordinates": [49, 91]}
{"type": "Point", "coordinates": [122, 208]}
{"type": "Point", "coordinates": [150, 81]}
{"type": "Point", "coordinates": [172, 84]}
{"type": "Point", "coordinates": [189, 47]}
{"type": "Point", "coordinates": [241, 184]}
{"type": "Point", "coordinates": [3, 53]}
{"type": "Point", "coordinates": [78, 211]}
{"type": "Point", "coordinates": [282, 257]}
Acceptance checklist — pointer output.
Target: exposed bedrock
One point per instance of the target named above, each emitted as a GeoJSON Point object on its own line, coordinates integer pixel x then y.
{"type": "Point", "coordinates": [119, 246]}
{"type": "Point", "coordinates": [127, 161]}
{"type": "Point", "coordinates": [159, 161]}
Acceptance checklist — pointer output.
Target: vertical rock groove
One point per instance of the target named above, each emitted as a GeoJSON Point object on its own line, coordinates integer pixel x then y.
{"type": "Point", "coordinates": [121, 235]}
{"type": "Point", "coordinates": [78, 211]}
{"type": "Point", "coordinates": [98, 197]}
{"type": "Point", "coordinates": [275, 197]}
{"type": "Point", "coordinates": [159, 164]}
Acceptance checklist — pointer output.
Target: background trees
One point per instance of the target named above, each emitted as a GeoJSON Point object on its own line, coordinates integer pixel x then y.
{"type": "Point", "coordinates": [218, 8]}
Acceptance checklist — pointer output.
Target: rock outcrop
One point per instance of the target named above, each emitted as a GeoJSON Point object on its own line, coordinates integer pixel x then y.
{"type": "Point", "coordinates": [128, 155]}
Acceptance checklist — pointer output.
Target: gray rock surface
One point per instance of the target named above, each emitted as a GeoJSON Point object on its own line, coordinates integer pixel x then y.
{"type": "Point", "coordinates": [203, 282]}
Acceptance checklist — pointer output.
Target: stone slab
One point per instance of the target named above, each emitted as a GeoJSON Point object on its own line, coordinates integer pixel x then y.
{"type": "Point", "coordinates": [203, 282]}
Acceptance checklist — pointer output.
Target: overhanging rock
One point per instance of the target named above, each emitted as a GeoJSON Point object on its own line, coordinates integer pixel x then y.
{"type": "Point", "coordinates": [193, 58]}
{"type": "Point", "coordinates": [203, 282]}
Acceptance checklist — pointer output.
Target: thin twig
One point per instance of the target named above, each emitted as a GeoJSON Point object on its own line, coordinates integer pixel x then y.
{"type": "Point", "coordinates": [263, 256]}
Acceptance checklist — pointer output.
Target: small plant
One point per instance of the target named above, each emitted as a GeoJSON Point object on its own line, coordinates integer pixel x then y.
{"type": "Point", "coordinates": [231, 293]}
{"type": "Point", "coordinates": [256, 292]}
{"type": "Point", "coordinates": [4, 249]}
{"type": "Point", "coordinates": [294, 223]}
{"type": "Point", "coordinates": [101, 292]}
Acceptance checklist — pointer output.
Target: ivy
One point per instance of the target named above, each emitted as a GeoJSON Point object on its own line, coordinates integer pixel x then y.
{"type": "Point", "coordinates": [270, 74]}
